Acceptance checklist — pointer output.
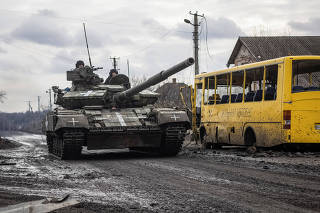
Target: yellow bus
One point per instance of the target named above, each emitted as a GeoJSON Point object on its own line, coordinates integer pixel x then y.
{"type": "Point", "coordinates": [262, 104]}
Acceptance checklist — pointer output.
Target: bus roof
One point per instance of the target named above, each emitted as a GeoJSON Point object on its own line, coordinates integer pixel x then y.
{"type": "Point", "coordinates": [256, 64]}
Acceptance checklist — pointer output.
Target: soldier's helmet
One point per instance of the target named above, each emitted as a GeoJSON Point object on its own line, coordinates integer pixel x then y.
{"type": "Point", "coordinates": [113, 71]}
{"type": "Point", "coordinates": [79, 63]}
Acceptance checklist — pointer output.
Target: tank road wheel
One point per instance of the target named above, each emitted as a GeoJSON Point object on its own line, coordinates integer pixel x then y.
{"type": "Point", "coordinates": [71, 145]}
{"type": "Point", "coordinates": [172, 139]}
{"type": "Point", "coordinates": [56, 141]}
{"type": "Point", "coordinates": [68, 145]}
{"type": "Point", "coordinates": [50, 143]}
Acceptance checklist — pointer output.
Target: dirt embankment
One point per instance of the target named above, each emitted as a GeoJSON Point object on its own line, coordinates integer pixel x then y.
{"type": "Point", "coordinates": [8, 144]}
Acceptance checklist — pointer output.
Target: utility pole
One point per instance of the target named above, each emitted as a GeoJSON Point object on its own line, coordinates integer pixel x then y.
{"type": "Point", "coordinates": [128, 66]}
{"type": "Point", "coordinates": [195, 33]}
{"type": "Point", "coordinates": [29, 106]}
{"type": "Point", "coordinates": [38, 103]}
{"type": "Point", "coordinates": [114, 62]}
{"type": "Point", "coordinates": [196, 42]}
{"type": "Point", "coordinates": [50, 103]}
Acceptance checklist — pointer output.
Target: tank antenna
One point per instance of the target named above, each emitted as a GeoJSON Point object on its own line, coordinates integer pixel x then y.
{"type": "Point", "coordinates": [85, 35]}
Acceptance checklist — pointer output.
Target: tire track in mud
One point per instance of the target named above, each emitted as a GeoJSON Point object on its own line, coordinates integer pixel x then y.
{"type": "Point", "coordinates": [146, 182]}
{"type": "Point", "coordinates": [188, 181]}
{"type": "Point", "coordinates": [297, 190]}
{"type": "Point", "coordinates": [51, 177]}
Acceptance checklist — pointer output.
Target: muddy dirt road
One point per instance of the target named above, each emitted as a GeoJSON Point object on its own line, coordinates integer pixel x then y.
{"type": "Point", "coordinates": [194, 181]}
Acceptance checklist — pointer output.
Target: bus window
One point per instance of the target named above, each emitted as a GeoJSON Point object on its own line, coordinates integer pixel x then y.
{"type": "Point", "coordinates": [209, 90]}
{"type": "Point", "coordinates": [305, 75]}
{"type": "Point", "coordinates": [254, 83]}
{"type": "Point", "coordinates": [223, 88]}
{"type": "Point", "coordinates": [237, 86]}
{"type": "Point", "coordinates": [270, 92]}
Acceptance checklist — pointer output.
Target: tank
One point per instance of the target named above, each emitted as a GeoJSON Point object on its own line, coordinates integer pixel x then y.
{"type": "Point", "coordinates": [96, 115]}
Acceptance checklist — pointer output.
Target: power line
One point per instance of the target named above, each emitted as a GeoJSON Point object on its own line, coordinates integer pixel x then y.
{"type": "Point", "coordinates": [206, 42]}
{"type": "Point", "coordinates": [207, 37]}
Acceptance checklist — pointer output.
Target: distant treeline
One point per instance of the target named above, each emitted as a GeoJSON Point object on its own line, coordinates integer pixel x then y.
{"type": "Point", "coordinates": [22, 121]}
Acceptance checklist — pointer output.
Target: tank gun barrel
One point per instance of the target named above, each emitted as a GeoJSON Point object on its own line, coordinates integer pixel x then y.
{"type": "Point", "coordinates": [157, 78]}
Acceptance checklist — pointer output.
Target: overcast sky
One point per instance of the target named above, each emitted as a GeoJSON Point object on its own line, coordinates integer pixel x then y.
{"type": "Point", "coordinates": [41, 39]}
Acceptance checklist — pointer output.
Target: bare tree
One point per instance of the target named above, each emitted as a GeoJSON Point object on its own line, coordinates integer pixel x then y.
{"type": "Point", "coordinates": [2, 96]}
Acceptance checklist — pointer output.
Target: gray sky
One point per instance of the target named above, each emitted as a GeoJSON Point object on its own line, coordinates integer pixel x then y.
{"type": "Point", "coordinates": [41, 39]}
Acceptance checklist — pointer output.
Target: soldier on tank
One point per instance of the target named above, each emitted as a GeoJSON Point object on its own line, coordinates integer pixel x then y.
{"type": "Point", "coordinates": [112, 73]}
{"type": "Point", "coordinates": [84, 78]}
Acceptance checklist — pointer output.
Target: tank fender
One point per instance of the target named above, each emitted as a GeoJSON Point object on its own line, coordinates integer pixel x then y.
{"type": "Point", "coordinates": [172, 117]}
{"type": "Point", "coordinates": [72, 121]}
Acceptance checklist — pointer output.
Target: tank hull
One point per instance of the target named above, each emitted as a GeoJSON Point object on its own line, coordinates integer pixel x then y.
{"type": "Point", "coordinates": [145, 129]}
{"type": "Point", "coordinates": [113, 116]}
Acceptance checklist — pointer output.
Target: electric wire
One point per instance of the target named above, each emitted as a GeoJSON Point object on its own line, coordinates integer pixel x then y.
{"type": "Point", "coordinates": [207, 46]}
{"type": "Point", "coordinates": [207, 37]}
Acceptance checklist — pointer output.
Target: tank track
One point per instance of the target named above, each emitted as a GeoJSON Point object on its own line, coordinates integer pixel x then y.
{"type": "Point", "coordinates": [50, 143]}
{"type": "Point", "coordinates": [173, 137]}
{"type": "Point", "coordinates": [68, 145]}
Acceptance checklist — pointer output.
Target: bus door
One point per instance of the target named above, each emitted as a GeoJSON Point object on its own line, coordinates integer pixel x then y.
{"type": "Point", "coordinates": [303, 119]}
{"type": "Point", "coordinates": [198, 100]}
{"type": "Point", "coordinates": [196, 97]}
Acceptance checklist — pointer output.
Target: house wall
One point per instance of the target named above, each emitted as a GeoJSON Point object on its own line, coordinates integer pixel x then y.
{"type": "Point", "coordinates": [243, 57]}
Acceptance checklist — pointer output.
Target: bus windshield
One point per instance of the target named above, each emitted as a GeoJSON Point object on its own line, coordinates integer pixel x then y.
{"type": "Point", "coordinates": [305, 75]}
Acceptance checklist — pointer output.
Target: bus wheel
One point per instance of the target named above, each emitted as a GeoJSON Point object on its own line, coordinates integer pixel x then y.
{"type": "Point", "coordinates": [249, 137]}
{"type": "Point", "coordinates": [202, 134]}
{"type": "Point", "coordinates": [208, 145]}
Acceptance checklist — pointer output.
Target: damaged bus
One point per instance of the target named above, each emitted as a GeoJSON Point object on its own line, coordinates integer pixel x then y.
{"type": "Point", "coordinates": [263, 104]}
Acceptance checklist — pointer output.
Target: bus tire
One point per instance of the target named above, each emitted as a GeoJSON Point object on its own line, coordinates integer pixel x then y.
{"type": "Point", "coordinates": [249, 137]}
{"type": "Point", "coordinates": [202, 134]}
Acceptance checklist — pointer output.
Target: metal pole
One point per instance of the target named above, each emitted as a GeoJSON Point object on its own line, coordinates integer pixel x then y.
{"type": "Point", "coordinates": [85, 35]}
{"type": "Point", "coordinates": [50, 103]}
{"type": "Point", "coordinates": [38, 103]}
{"type": "Point", "coordinates": [114, 63]}
{"type": "Point", "coordinates": [196, 43]}
{"type": "Point", "coordinates": [128, 67]}
{"type": "Point", "coordinates": [30, 107]}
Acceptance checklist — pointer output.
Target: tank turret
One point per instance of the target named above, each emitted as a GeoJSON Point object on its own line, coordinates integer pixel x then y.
{"type": "Point", "coordinates": [118, 93]}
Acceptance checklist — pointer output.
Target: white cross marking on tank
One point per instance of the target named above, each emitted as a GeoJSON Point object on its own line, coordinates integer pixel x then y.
{"type": "Point", "coordinates": [73, 122]}
{"type": "Point", "coordinates": [86, 93]}
{"type": "Point", "coordinates": [175, 117]}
